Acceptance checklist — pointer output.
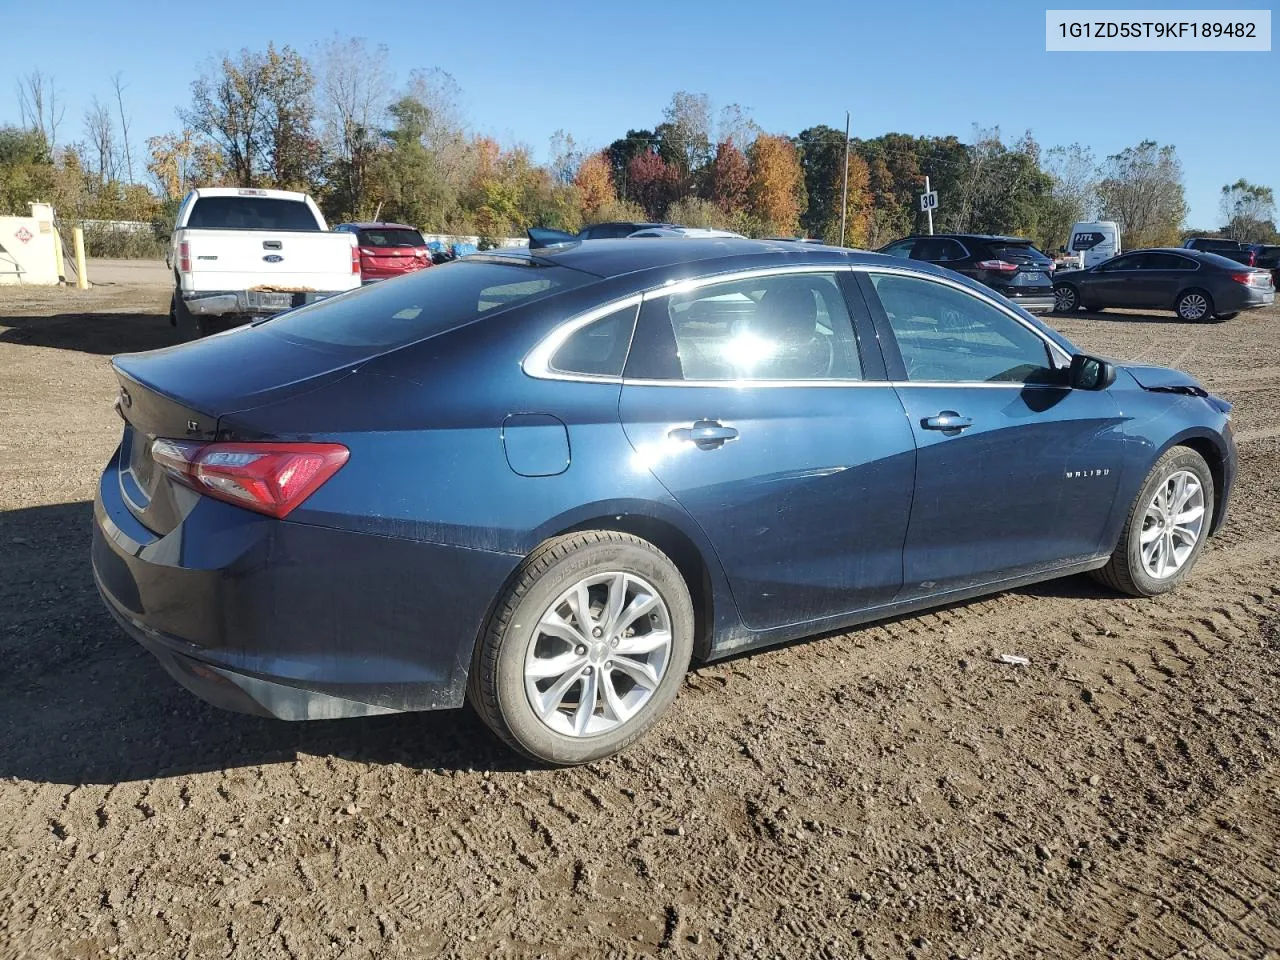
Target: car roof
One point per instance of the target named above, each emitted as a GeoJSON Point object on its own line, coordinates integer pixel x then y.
{"type": "Point", "coordinates": [262, 192]}
{"type": "Point", "coordinates": [616, 258]}
{"type": "Point", "coordinates": [987, 237]}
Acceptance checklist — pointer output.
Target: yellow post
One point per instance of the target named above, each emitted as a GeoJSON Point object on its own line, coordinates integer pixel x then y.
{"type": "Point", "coordinates": [82, 279]}
{"type": "Point", "coordinates": [57, 255]}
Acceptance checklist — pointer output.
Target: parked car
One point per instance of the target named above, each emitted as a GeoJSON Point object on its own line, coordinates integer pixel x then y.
{"type": "Point", "coordinates": [1193, 284]}
{"type": "Point", "coordinates": [1267, 257]}
{"type": "Point", "coordinates": [687, 233]}
{"type": "Point", "coordinates": [1009, 265]}
{"type": "Point", "coordinates": [542, 482]}
{"type": "Point", "coordinates": [387, 249]}
{"type": "Point", "coordinates": [1231, 249]}
{"type": "Point", "coordinates": [239, 253]}
{"type": "Point", "coordinates": [612, 230]}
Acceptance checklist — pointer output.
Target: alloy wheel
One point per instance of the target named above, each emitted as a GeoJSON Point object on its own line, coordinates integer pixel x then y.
{"type": "Point", "coordinates": [1172, 524]}
{"type": "Point", "coordinates": [1193, 306]}
{"type": "Point", "coordinates": [1064, 299]}
{"type": "Point", "coordinates": [598, 654]}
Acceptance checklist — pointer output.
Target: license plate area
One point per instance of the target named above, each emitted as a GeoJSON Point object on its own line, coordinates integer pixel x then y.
{"type": "Point", "coordinates": [264, 301]}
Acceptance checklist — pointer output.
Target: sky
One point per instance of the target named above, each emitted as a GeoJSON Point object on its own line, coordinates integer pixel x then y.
{"type": "Point", "coordinates": [596, 68]}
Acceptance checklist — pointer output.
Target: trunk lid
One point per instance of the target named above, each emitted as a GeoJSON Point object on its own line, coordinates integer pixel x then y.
{"type": "Point", "coordinates": [181, 393]}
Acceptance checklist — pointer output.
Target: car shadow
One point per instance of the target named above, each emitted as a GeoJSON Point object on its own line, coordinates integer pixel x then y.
{"type": "Point", "coordinates": [80, 702]}
{"type": "Point", "coordinates": [1110, 317]}
{"type": "Point", "coordinates": [100, 333]}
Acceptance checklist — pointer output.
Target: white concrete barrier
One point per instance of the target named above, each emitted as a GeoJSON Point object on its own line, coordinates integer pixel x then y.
{"type": "Point", "coordinates": [28, 248]}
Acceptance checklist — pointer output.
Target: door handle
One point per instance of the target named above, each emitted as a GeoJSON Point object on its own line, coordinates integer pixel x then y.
{"type": "Point", "coordinates": [947, 420]}
{"type": "Point", "coordinates": [705, 434]}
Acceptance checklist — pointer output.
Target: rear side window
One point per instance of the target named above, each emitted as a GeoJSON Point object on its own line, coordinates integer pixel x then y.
{"type": "Point", "coordinates": [251, 213]}
{"type": "Point", "coordinates": [388, 315]}
{"type": "Point", "coordinates": [600, 348]}
{"type": "Point", "coordinates": [391, 238]}
{"type": "Point", "coordinates": [1217, 260]}
{"type": "Point", "coordinates": [938, 250]}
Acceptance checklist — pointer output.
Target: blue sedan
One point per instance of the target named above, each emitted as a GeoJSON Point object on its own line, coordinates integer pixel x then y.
{"type": "Point", "coordinates": [543, 482]}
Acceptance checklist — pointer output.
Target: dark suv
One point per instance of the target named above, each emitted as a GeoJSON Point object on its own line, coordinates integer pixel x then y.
{"type": "Point", "coordinates": [1010, 266]}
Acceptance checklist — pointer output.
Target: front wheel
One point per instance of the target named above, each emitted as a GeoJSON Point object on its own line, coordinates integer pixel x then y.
{"type": "Point", "coordinates": [1166, 529]}
{"type": "Point", "coordinates": [586, 650]}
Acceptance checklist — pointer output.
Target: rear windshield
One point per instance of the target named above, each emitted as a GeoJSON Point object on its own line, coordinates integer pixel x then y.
{"type": "Point", "coordinates": [388, 315]}
{"type": "Point", "coordinates": [251, 213]}
{"type": "Point", "coordinates": [1017, 252]}
{"type": "Point", "coordinates": [391, 238]}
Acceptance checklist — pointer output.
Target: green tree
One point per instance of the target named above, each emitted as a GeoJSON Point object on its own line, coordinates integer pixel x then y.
{"type": "Point", "coordinates": [1248, 211]}
{"type": "Point", "coordinates": [1142, 191]}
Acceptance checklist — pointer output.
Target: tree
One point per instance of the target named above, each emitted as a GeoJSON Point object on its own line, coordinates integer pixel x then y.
{"type": "Point", "coordinates": [821, 154]}
{"type": "Point", "coordinates": [38, 106]}
{"type": "Point", "coordinates": [1249, 211]}
{"type": "Point", "coordinates": [594, 181]}
{"type": "Point", "coordinates": [652, 182]}
{"type": "Point", "coordinates": [696, 212]}
{"type": "Point", "coordinates": [684, 136]}
{"type": "Point", "coordinates": [730, 178]}
{"type": "Point", "coordinates": [1073, 195]}
{"type": "Point", "coordinates": [258, 110]}
{"type": "Point", "coordinates": [622, 151]}
{"type": "Point", "coordinates": [99, 130]}
{"type": "Point", "coordinates": [179, 162]}
{"type": "Point", "coordinates": [776, 191]}
{"type": "Point", "coordinates": [118, 87]}
{"type": "Point", "coordinates": [565, 157]}
{"type": "Point", "coordinates": [736, 124]}
{"type": "Point", "coordinates": [1142, 191]}
{"type": "Point", "coordinates": [353, 85]}
{"type": "Point", "coordinates": [857, 212]}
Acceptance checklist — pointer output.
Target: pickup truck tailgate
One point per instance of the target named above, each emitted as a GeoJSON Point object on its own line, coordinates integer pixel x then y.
{"type": "Point", "coordinates": [269, 260]}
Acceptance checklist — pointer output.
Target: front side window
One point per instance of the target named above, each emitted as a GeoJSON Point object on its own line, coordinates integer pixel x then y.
{"type": "Point", "coordinates": [950, 336]}
{"type": "Point", "coordinates": [1119, 263]}
{"type": "Point", "coordinates": [779, 327]}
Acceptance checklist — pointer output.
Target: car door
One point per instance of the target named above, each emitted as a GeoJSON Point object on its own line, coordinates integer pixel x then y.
{"type": "Point", "coordinates": [1158, 279]}
{"type": "Point", "coordinates": [758, 407]}
{"type": "Point", "coordinates": [1015, 471]}
{"type": "Point", "coordinates": [1115, 283]}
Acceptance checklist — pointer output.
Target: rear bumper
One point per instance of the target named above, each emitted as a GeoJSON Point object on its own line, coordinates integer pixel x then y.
{"type": "Point", "coordinates": [1040, 303]}
{"type": "Point", "coordinates": [249, 302]}
{"type": "Point", "coordinates": [291, 620]}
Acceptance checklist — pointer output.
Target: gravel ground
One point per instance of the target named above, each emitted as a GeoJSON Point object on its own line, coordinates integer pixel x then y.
{"type": "Point", "coordinates": [892, 791]}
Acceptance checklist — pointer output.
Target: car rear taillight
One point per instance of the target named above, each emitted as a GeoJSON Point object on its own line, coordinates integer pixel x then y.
{"type": "Point", "coordinates": [1256, 278]}
{"type": "Point", "coordinates": [271, 478]}
{"type": "Point", "coordinates": [1253, 258]}
{"type": "Point", "coordinates": [355, 259]}
{"type": "Point", "coordinates": [998, 266]}
{"type": "Point", "coordinates": [184, 256]}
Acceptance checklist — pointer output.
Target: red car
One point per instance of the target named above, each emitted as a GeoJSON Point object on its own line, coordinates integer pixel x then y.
{"type": "Point", "coordinates": [387, 249]}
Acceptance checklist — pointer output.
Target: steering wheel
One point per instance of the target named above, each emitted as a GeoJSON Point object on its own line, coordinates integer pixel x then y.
{"type": "Point", "coordinates": [922, 371]}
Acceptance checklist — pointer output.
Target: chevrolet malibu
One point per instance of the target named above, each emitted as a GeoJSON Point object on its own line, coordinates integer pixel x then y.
{"type": "Point", "coordinates": [542, 483]}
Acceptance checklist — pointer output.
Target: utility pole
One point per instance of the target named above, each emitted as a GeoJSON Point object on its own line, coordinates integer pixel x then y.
{"type": "Point", "coordinates": [927, 190]}
{"type": "Point", "coordinates": [844, 191]}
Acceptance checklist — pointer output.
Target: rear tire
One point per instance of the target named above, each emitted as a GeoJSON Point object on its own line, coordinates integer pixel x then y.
{"type": "Point", "coordinates": [1222, 317]}
{"type": "Point", "coordinates": [1194, 306]}
{"type": "Point", "coordinates": [601, 681]}
{"type": "Point", "coordinates": [1136, 566]}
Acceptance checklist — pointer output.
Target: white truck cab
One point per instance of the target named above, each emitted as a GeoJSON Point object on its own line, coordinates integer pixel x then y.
{"type": "Point", "coordinates": [1094, 241]}
{"type": "Point", "coordinates": [239, 253]}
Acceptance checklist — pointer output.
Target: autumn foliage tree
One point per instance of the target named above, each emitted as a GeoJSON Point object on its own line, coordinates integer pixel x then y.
{"type": "Point", "coordinates": [776, 189]}
{"type": "Point", "coordinates": [594, 181]}
{"type": "Point", "coordinates": [652, 183]}
{"type": "Point", "coordinates": [730, 178]}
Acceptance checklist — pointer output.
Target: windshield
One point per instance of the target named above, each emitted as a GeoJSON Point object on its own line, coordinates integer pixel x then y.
{"type": "Point", "coordinates": [388, 315]}
{"type": "Point", "coordinates": [251, 213]}
{"type": "Point", "coordinates": [391, 237]}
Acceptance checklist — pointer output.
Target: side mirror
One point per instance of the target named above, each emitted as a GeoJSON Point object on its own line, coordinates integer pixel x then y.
{"type": "Point", "coordinates": [1090, 373]}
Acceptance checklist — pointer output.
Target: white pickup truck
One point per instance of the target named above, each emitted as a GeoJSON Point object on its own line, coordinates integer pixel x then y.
{"type": "Point", "coordinates": [240, 253]}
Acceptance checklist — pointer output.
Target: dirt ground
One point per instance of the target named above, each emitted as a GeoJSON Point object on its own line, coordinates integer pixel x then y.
{"type": "Point", "coordinates": [892, 791]}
